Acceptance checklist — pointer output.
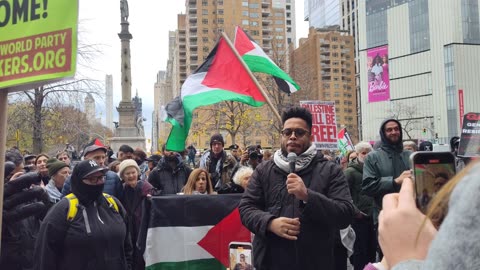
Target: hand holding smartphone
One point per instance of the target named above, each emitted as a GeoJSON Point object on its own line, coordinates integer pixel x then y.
{"type": "Point", "coordinates": [431, 171]}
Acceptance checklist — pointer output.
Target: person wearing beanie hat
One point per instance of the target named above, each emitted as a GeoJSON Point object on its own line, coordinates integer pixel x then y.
{"type": "Point", "coordinates": [126, 176]}
{"type": "Point", "coordinates": [425, 146]}
{"type": "Point", "coordinates": [217, 138]}
{"type": "Point", "coordinates": [218, 163]}
{"type": "Point", "coordinates": [135, 191]}
{"type": "Point", "coordinates": [58, 172]}
{"type": "Point", "coordinates": [95, 237]}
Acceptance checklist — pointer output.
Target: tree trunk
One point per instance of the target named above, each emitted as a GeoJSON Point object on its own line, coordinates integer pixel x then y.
{"type": "Point", "coordinates": [38, 121]}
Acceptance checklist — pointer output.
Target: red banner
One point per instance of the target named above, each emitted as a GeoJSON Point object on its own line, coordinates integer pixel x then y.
{"type": "Point", "coordinates": [461, 107]}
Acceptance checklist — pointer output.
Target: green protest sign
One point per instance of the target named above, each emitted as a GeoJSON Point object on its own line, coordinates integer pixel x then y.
{"type": "Point", "coordinates": [38, 41]}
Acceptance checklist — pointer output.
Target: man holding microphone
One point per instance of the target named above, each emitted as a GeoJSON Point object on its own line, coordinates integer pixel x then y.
{"type": "Point", "coordinates": [296, 203]}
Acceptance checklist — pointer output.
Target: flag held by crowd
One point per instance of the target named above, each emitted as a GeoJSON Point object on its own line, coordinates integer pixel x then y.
{"type": "Point", "coordinates": [220, 78]}
{"type": "Point", "coordinates": [258, 61]}
{"type": "Point", "coordinates": [192, 232]}
{"type": "Point", "coordinates": [344, 142]}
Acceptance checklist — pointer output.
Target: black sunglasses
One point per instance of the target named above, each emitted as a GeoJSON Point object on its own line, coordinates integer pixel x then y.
{"type": "Point", "coordinates": [299, 132]}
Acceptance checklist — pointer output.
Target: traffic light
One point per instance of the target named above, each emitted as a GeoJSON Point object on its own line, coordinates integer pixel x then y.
{"type": "Point", "coordinates": [424, 130]}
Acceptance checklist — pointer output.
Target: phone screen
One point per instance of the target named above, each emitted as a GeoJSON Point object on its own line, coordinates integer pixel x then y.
{"type": "Point", "coordinates": [240, 255]}
{"type": "Point", "coordinates": [432, 171]}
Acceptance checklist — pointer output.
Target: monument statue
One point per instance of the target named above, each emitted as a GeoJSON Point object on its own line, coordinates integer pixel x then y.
{"type": "Point", "coordinates": [124, 10]}
{"type": "Point", "coordinates": [139, 125]}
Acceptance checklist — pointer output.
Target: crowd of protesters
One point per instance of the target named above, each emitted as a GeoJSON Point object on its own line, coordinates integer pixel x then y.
{"type": "Point", "coordinates": [61, 213]}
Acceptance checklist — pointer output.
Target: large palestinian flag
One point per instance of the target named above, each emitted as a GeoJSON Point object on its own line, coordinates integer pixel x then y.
{"type": "Point", "coordinates": [192, 231]}
{"type": "Point", "coordinates": [258, 61]}
{"type": "Point", "coordinates": [220, 78]}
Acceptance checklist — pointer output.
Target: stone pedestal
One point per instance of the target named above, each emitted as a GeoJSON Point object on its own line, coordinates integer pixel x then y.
{"type": "Point", "coordinates": [127, 131]}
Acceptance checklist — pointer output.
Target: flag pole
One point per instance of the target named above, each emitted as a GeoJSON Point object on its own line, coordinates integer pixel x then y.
{"type": "Point", "coordinates": [3, 141]}
{"type": "Point", "coordinates": [251, 76]}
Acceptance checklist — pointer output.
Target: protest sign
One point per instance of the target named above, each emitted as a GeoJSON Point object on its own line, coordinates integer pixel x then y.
{"type": "Point", "coordinates": [38, 42]}
{"type": "Point", "coordinates": [470, 138]}
{"type": "Point", "coordinates": [324, 124]}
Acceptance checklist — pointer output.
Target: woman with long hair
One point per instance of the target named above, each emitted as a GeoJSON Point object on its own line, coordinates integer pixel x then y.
{"type": "Point", "coordinates": [198, 183]}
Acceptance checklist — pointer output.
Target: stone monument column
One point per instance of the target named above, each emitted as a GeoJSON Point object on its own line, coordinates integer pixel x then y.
{"type": "Point", "coordinates": [127, 131]}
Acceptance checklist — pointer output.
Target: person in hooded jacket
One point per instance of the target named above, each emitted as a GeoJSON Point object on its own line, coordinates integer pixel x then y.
{"type": "Point", "coordinates": [95, 237]}
{"type": "Point", "coordinates": [386, 167]}
{"type": "Point", "coordinates": [171, 173]}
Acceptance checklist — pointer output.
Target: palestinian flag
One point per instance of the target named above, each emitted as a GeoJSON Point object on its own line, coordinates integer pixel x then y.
{"type": "Point", "coordinates": [192, 231]}
{"type": "Point", "coordinates": [344, 142]}
{"type": "Point", "coordinates": [258, 61]}
{"type": "Point", "coordinates": [220, 78]}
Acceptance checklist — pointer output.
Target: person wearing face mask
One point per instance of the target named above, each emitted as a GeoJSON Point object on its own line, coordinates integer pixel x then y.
{"type": "Point", "coordinates": [113, 185]}
{"type": "Point", "coordinates": [86, 229]}
{"type": "Point", "coordinates": [134, 194]}
{"type": "Point", "coordinates": [365, 242]}
{"type": "Point", "coordinates": [171, 173]}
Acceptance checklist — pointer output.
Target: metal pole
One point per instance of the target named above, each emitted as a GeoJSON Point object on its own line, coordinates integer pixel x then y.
{"type": "Point", "coordinates": [251, 76]}
{"type": "Point", "coordinates": [3, 142]}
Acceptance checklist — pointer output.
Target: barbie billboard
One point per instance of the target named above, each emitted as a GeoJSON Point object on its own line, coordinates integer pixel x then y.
{"type": "Point", "coordinates": [378, 81]}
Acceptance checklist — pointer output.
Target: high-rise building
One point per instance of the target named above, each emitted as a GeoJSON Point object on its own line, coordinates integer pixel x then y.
{"type": "Point", "coordinates": [161, 97]}
{"type": "Point", "coordinates": [323, 64]}
{"type": "Point", "coordinates": [421, 59]}
{"type": "Point", "coordinates": [344, 13]}
{"type": "Point", "coordinates": [109, 102]}
{"type": "Point", "coordinates": [270, 23]}
{"type": "Point", "coordinates": [322, 13]}
{"type": "Point", "coordinates": [89, 103]}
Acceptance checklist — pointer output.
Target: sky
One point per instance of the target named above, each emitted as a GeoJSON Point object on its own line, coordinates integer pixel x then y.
{"type": "Point", "coordinates": [99, 24]}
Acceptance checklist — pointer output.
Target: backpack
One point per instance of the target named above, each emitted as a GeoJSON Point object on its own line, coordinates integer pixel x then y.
{"type": "Point", "coordinates": [73, 205]}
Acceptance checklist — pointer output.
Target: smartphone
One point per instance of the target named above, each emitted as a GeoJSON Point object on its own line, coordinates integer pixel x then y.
{"type": "Point", "coordinates": [431, 171]}
{"type": "Point", "coordinates": [240, 255]}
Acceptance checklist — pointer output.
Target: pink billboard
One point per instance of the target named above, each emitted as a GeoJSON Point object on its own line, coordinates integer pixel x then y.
{"type": "Point", "coordinates": [378, 81]}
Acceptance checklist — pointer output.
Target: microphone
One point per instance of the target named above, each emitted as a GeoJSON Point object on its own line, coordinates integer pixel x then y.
{"type": "Point", "coordinates": [292, 158]}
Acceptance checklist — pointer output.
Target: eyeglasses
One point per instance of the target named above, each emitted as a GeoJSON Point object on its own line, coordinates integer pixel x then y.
{"type": "Point", "coordinates": [392, 129]}
{"type": "Point", "coordinates": [95, 179]}
{"type": "Point", "coordinates": [299, 132]}
{"type": "Point", "coordinates": [364, 153]}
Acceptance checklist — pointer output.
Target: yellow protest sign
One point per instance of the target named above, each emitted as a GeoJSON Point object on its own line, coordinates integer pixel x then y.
{"type": "Point", "coordinates": [38, 41]}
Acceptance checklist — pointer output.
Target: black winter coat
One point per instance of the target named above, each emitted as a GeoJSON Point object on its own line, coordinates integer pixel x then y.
{"type": "Point", "coordinates": [169, 181]}
{"type": "Point", "coordinates": [328, 208]}
{"type": "Point", "coordinates": [63, 244]}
